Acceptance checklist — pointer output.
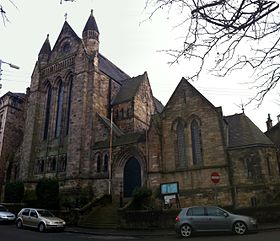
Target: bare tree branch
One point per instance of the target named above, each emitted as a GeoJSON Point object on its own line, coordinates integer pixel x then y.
{"type": "Point", "coordinates": [236, 33]}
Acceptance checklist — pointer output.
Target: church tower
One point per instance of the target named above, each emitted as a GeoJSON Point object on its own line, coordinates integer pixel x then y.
{"type": "Point", "coordinates": [91, 35]}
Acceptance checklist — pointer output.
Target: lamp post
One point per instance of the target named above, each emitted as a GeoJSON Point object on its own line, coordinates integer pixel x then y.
{"type": "Point", "coordinates": [11, 65]}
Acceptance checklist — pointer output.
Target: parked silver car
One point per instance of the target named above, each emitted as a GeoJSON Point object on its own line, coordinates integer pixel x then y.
{"type": "Point", "coordinates": [212, 218]}
{"type": "Point", "coordinates": [5, 215]}
{"type": "Point", "coordinates": [39, 218]}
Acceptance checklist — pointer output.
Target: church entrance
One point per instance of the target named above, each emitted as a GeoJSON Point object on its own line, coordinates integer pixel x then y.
{"type": "Point", "coordinates": [131, 176]}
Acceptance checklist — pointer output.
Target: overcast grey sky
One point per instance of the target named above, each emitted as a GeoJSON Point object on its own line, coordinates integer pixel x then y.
{"type": "Point", "coordinates": [128, 41]}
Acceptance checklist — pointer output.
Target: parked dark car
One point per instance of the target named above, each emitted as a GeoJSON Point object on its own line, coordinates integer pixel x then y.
{"type": "Point", "coordinates": [212, 218]}
{"type": "Point", "coordinates": [6, 215]}
{"type": "Point", "coordinates": [41, 219]}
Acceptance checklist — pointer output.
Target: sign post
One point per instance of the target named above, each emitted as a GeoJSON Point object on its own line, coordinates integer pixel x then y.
{"type": "Point", "coordinates": [169, 191]}
{"type": "Point", "coordinates": [215, 178]}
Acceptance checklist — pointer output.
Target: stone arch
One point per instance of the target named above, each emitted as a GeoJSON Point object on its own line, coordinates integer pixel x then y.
{"type": "Point", "coordinates": [127, 159]}
{"type": "Point", "coordinates": [131, 176]}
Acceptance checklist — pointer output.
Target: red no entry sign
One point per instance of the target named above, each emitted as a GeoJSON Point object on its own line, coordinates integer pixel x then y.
{"type": "Point", "coordinates": [215, 177]}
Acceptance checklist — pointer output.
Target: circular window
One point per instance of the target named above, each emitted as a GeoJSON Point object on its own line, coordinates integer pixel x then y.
{"type": "Point", "coordinates": [66, 47]}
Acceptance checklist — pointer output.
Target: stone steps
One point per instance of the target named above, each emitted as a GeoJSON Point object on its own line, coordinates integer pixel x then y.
{"type": "Point", "coordinates": [105, 216]}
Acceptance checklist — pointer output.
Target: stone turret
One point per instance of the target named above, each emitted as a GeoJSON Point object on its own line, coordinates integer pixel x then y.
{"type": "Point", "coordinates": [45, 52]}
{"type": "Point", "coordinates": [91, 35]}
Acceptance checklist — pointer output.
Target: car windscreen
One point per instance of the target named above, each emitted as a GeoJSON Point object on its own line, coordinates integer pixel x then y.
{"type": "Point", "coordinates": [3, 209]}
{"type": "Point", "coordinates": [45, 213]}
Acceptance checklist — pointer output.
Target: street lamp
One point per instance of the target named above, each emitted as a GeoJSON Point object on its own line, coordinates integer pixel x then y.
{"type": "Point", "coordinates": [11, 65]}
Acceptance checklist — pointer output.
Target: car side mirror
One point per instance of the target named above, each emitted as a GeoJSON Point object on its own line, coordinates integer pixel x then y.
{"type": "Point", "coordinates": [225, 215]}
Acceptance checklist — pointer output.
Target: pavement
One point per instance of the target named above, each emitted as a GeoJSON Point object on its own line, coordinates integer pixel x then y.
{"type": "Point", "coordinates": [145, 232]}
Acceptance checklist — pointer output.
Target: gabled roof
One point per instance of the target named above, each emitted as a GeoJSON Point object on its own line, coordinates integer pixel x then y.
{"type": "Point", "coordinates": [91, 24]}
{"type": "Point", "coordinates": [189, 85]}
{"type": "Point", "coordinates": [46, 48]}
{"type": "Point", "coordinates": [108, 68]}
{"type": "Point", "coordinates": [243, 132]}
{"type": "Point", "coordinates": [66, 30]}
{"type": "Point", "coordinates": [129, 89]}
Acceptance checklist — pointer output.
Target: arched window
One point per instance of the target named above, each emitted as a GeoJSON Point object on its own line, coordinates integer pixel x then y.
{"type": "Point", "coordinates": [116, 114]}
{"type": "Point", "coordinates": [98, 163]}
{"type": "Point", "coordinates": [196, 143]}
{"type": "Point", "coordinates": [181, 144]}
{"type": "Point", "coordinates": [48, 112]}
{"type": "Point", "coordinates": [269, 165]}
{"type": "Point", "coordinates": [69, 103]}
{"type": "Point", "coordinates": [53, 164]}
{"type": "Point", "coordinates": [105, 165]}
{"type": "Point", "coordinates": [42, 166]}
{"type": "Point", "coordinates": [59, 110]}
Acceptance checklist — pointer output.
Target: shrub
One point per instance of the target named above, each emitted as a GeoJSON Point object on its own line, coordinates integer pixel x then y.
{"type": "Point", "coordinates": [141, 198]}
{"type": "Point", "coordinates": [47, 191]}
{"type": "Point", "coordinates": [14, 192]}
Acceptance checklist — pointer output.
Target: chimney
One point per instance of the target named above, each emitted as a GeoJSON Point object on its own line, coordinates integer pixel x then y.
{"type": "Point", "coordinates": [278, 118]}
{"type": "Point", "coordinates": [268, 122]}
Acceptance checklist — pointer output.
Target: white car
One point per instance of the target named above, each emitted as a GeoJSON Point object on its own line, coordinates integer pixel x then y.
{"type": "Point", "coordinates": [5, 215]}
{"type": "Point", "coordinates": [41, 219]}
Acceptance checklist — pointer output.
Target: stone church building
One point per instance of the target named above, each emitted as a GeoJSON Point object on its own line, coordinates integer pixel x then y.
{"type": "Point", "coordinates": [89, 124]}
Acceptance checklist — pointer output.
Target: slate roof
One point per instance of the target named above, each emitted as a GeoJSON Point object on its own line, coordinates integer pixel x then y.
{"type": "Point", "coordinates": [159, 105]}
{"type": "Point", "coordinates": [108, 68]}
{"type": "Point", "coordinates": [46, 48]}
{"type": "Point", "coordinates": [126, 139]}
{"type": "Point", "coordinates": [129, 89]}
{"type": "Point", "coordinates": [16, 95]}
{"type": "Point", "coordinates": [91, 24]}
{"type": "Point", "coordinates": [243, 132]}
{"type": "Point", "coordinates": [107, 122]}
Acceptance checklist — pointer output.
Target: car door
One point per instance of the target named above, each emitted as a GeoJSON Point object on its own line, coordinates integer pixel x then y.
{"type": "Point", "coordinates": [33, 218]}
{"type": "Point", "coordinates": [197, 218]}
{"type": "Point", "coordinates": [218, 219]}
{"type": "Point", "coordinates": [25, 217]}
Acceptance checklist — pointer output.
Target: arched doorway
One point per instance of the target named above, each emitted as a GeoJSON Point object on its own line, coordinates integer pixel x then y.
{"type": "Point", "coordinates": [131, 176]}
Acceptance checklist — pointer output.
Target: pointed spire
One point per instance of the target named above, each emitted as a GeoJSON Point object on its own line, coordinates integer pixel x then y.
{"type": "Point", "coordinates": [91, 24]}
{"type": "Point", "coordinates": [46, 48]}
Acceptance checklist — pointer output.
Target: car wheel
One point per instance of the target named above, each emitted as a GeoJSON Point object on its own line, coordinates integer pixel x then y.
{"type": "Point", "coordinates": [185, 230]}
{"type": "Point", "coordinates": [19, 224]}
{"type": "Point", "coordinates": [239, 228]}
{"type": "Point", "coordinates": [41, 227]}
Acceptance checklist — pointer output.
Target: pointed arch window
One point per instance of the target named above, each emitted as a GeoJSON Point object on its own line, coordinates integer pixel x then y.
{"type": "Point", "coordinates": [105, 165]}
{"type": "Point", "coordinates": [181, 144]}
{"type": "Point", "coordinates": [98, 163]}
{"type": "Point", "coordinates": [269, 165]}
{"type": "Point", "coordinates": [69, 104]}
{"type": "Point", "coordinates": [196, 143]}
{"type": "Point", "coordinates": [47, 112]}
{"type": "Point", "coordinates": [59, 110]}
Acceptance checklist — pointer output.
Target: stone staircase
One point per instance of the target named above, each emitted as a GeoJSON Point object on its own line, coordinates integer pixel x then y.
{"type": "Point", "coordinates": [102, 216]}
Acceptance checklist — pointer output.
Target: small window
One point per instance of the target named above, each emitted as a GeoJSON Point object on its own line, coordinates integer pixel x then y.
{"type": "Point", "coordinates": [105, 166]}
{"type": "Point", "coordinates": [25, 212]}
{"type": "Point", "coordinates": [213, 211]}
{"type": "Point", "coordinates": [66, 47]}
{"type": "Point", "coordinates": [253, 201]}
{"type": "Point", "coordinates": [33, 214]}
{"type": "Point", "coordinates": [116, 114]}
{"type": "Point", "coordinates": [98, 164]}
{"type": "Point", "coordinates": [196, 211]}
